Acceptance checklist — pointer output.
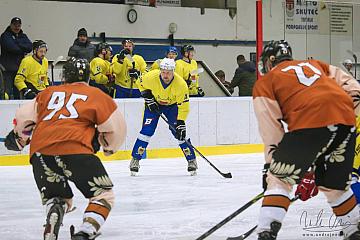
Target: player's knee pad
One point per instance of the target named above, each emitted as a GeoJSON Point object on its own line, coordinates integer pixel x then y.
{"type": "Point", "coordinates": [276, 183]}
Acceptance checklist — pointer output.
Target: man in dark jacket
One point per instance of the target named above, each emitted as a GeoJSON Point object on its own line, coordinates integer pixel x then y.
{"type": "Point", "coordinates": [82, 48]}
{"type": "Point", "coordinates": [244, 77]}
{"type": "Point", "coordinates": [14, 46]}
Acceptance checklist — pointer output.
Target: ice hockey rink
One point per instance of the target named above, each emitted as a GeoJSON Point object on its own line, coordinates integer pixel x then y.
{"type": "Point", "coordinates": [164, 202]}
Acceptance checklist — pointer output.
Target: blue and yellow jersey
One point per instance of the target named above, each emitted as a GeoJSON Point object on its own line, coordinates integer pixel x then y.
{"type": "Point", "coordinates": [34, 72]}
{"type": "Point", "coordinates": [99, 70]}
{"type": "Point", "coordinates": [121, 71]}
{"type": "Point", "coordinates": [184, 69]}
{"type": "Point", "coordinates": [176, 92]}
{"type": "Point", "coordinates": [155, 65]}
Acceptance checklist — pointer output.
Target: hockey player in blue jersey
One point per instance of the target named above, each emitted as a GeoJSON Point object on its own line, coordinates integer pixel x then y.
{"type": "Point", "coordinates": [164, 92]}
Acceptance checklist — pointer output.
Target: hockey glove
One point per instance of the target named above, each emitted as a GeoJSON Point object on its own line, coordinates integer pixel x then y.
{"type": "Point", "coordinates": [133, 73]}
{"type": "Point", "coordinates": [201, 92]}
{"type": "Point", "coordinates": [95, 141]}
{"type": "Point", "coordinates": [122, 54]}
{"type": "Point", "coordinates": [307, 187]}
{"type": "Point", "coordinates": [28, 93]}
{"type": "Point", "coordinates": [13, 142]}
{"type": "Point", "coordinates": [355, 184]}
{"type": "Point", "coordinates": [264, 175]}
{"type": "Point", "coordinates": [180, 130]}
{"type": "Point", "coordinates": [150, 102]}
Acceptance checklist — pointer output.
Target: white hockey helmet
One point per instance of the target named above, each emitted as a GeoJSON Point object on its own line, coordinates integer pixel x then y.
{"type": "Point", "coordinates": [167, 64]}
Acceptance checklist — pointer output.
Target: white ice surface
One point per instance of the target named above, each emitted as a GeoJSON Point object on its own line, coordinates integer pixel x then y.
{"type": "Point", "coordinates": [162, 202]}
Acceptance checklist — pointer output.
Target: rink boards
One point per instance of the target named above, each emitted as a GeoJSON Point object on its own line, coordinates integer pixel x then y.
{"type": "Point", "coordinates": [219, 125]}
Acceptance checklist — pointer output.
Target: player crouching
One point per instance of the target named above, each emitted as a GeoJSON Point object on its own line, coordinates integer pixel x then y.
{"type": "Point", "coordinates": [63, 119]}
{"type": "Point", "coordinates": [164, 92]}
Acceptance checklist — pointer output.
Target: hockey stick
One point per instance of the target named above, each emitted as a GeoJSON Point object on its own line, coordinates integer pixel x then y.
{"type": "Point", "coordinates": [2, 139]}
{"type": "Point", "coordinates": [58, 59]}
{"type": "Point", "coordinates": [248, 233]}
{"type": "Point", "coordinates": [225, 175]}
{"type": "Point", "coordinates": [355, 59]}
{"type": "Point", "coordinates": [231, 216]}
{"type": "Point", "coordinates": [128, 56]}
{"type": "Point", "coordinates": [196, 71]}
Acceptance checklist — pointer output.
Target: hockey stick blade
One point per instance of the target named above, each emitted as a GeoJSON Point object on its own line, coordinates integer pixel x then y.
{"type": "Point", "coordinates": [245, 235]}
{"type": "Point", "coordinates": [196, 71]}
{"type": "Point", "coordinates": [128, 56]}
{"type": "Point", "coordinates": [2, 139]}
{"type": "Point", "coordinates": [248, 233]}
{"type": "Point", "coordinates": [231, 216]}
{"type": "Point", "coordinates": [225, 175]}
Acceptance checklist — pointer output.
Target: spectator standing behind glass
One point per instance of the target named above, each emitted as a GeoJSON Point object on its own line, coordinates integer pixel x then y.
{"type": "Point", "coordinates": [244, 77]}
{"type": "Point", "coordinates": [14, 46]}
{"type": "Point", "coordinates": [185, 66]}
{"type": "Point", "coordinates": [82, 47]}
{"type": "Point", "coordinates": [32, 75]}
{"type": "Point", "coordinates": [171, 52]}
{"type": "Point", "coordinates": [126, 72]}
{"type": "Point", "coordinates": [100, 72]}
{"type": "Point", "coordinates": [221, 76]}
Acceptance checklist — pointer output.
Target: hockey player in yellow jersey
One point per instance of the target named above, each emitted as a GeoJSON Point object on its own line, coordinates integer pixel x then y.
{"type": "Point", "coordinates": [355, 186]}
{"type": "Point", "coordinates": [31, 77]}
{"type": "Point", "coordinates": [185, 68]}
{"type": "Point", "coordinates": [164, 92]}
{"type": "Point", "coordinates": [100, 71]}
{"type": "Point", "coordinates": [127, 67]}
{"type": "Point", "coordinates": [171, 53]}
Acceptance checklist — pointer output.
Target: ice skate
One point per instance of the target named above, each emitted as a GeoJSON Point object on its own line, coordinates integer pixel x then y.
{"type": "Point", "coordinates": [54, 219]}
{"type": "Point", "coordinates": [134, 166]}
{"type": "Point", "coordinates": [192, 166]}
{"type": "Point", "coordinates": [272, 234]}
{"type": "Point", "coordinates": [81, 235]}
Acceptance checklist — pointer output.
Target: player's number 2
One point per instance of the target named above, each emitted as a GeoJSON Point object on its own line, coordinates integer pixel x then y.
{"type": "Point", "coordinates": [57, 102]}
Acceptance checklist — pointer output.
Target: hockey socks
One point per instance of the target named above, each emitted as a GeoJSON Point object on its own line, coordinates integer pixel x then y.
{"type": "Point", "coordinates": [347, 211]}
{"type": "Point", "coordinates": [274, 207]}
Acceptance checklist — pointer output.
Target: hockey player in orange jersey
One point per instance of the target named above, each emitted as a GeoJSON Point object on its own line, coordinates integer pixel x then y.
{"type": "Point", "coordinates": [62, 122]}
{"type": "Point", "coordinates": [317, 102]}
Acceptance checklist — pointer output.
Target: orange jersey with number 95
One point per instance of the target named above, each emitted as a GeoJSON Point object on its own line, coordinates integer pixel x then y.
{"type": "Point", "coordinates": [66, 119]}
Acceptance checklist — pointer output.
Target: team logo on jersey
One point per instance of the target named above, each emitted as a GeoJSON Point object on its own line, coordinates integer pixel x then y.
{"type": "Point", "coordinates": [141, 150]}
{"type": "Point", "coordinates": [148, 121]}
{"type": "Point", "coordinates": [23, 70]}
{"type": "Point", "coordinates": [98, 68]}
{"type": "Point", "coordinates": [187, 151]}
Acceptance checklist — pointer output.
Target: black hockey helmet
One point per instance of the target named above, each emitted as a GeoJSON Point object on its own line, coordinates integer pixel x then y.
{"type": "Point", "coordinates": [187, 48]}
{"type": "Point", "coordinates": [76, 70]}
{"type": "Point", "coordinates": [125, 41]}
{"type": "Point", "coordinates": [39, 44]}
{"type": "Point", "coordinates": [276, 52]}
{"type": "Point", "coordinates": [102, 46]}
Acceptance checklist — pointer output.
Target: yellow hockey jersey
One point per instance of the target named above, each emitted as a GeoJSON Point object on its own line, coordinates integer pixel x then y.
{"type": "Point", "coordinates": [33, 72]}
{"type": "Point", "coordinates": [121, 71]}
{"type": "Point", "coordinates": [156, 65]}
{"type": "Point", "coordinates": [357, 147]}
{"type": "Point", "coordinates": [184, 69]}
{"type": "Point", "coordinates": [174, 93]}
{"type": "Point", "coordinates": [99, 70]}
